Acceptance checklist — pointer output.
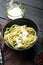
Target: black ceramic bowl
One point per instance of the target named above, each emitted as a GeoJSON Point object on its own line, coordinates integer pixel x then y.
{"type": "Point", "coordinates": [22, 21]}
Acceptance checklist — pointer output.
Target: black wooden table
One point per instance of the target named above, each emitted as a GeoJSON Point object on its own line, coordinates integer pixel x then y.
{"type": "Point", "coordinates": [34, 11]}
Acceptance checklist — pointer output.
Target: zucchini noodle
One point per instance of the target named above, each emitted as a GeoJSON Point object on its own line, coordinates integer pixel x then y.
{"type": "Point", "coordinates": [20, 36]}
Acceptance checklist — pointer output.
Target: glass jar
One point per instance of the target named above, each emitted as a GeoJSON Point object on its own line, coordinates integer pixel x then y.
{"type": "Point", "coordinates": [15, 9]}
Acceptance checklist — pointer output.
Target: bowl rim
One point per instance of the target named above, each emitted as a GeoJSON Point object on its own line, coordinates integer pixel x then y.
{"type": "Point", "coordinates": [27, 47]}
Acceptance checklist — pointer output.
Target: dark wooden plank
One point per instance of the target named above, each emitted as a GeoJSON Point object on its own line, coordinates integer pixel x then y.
{"type": "Point", "coordinates": [0, 1]}
{"type": "Point", "coordinates": [2, 11]}
{"type": "Point", "coordinates": [31, 13]}
{"type": "Point", "coordinates": [34, 14]}
{"type": "Point", "coordinates": [36, 3]}
{"type": "Point", "coordinates": [1, 21]}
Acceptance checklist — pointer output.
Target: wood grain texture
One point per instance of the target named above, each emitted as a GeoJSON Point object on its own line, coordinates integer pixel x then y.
{"type": "Point", "coordinates": [32, 13]}
{"type": "Point", "coordinates": [36, 3]}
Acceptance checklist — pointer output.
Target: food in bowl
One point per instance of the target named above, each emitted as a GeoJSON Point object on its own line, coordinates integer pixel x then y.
{"type": "Point", "coordinates": [20, 36]}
